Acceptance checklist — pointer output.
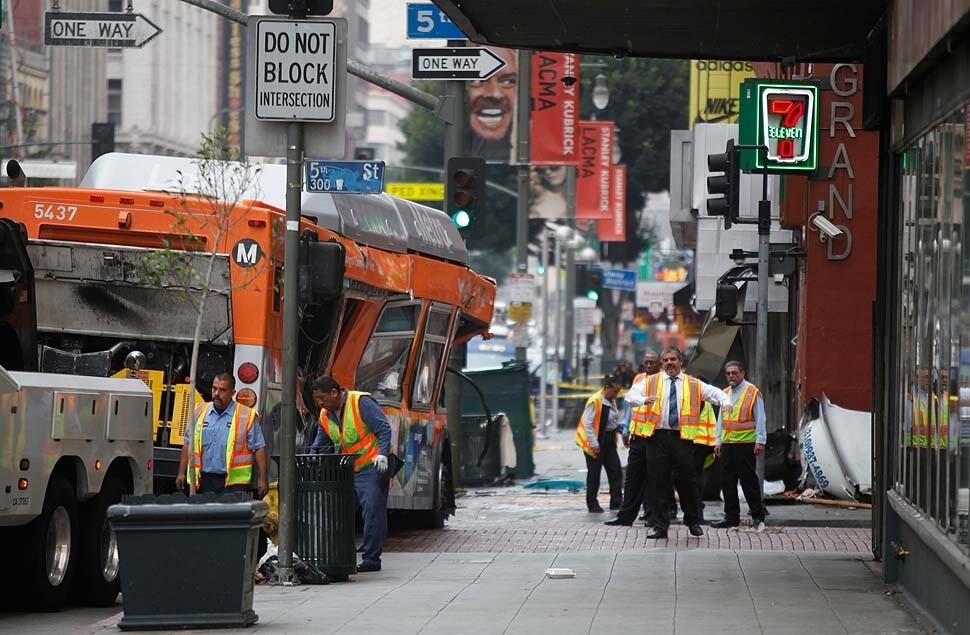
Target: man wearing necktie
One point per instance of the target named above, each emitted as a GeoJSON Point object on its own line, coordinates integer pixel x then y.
{"type": "Point", "coordinates": [666, 410]}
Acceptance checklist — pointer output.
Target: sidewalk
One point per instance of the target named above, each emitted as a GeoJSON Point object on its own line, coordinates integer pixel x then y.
{"type": "Point", "coordinates": [657, 592]}
{"type": "Point", "coordinates": [485, 573]}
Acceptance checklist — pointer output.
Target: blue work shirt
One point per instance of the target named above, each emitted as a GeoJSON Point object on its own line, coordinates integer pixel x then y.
{"type": "Point", "coordinates": [215, 436]}
{"type": "Point", "coordinates": [373, 416]}
{"type": "Point", "coordinates": [625, 417]}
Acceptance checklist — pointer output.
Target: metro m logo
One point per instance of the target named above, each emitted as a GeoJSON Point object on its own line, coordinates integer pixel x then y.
{"type": "Point", "coordinates": [247, 252]}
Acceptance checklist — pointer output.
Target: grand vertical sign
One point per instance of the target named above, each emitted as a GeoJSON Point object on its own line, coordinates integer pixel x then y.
{"type": "Point", "coordinates": [838, 282]}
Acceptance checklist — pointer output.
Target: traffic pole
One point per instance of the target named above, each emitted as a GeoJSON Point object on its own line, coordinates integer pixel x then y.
{"type": "Point", "coordinates": [544, 372]}
{"type": "Point", "coordinates": [524, 110]}
{"type": "Point", "coordinates": [761, 334]}
{"type": "Point", "coordinates": [454, 147]}
{"type": "Point", "coordinates": [291, 259]}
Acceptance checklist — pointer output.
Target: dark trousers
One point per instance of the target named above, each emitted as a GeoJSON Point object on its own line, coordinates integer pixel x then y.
{"type": "Point", "coordinates": [698, 457]}
{"type": "Point", "coordinates": [372, 487]}
{"type": "Point", "coordinates": [667, 452]}
{"type": "Point", "coordinates": [211, 482]}
{"type": "Point", "coordinates": [609, 459]}
{"type": "Point", "coordinates": [738, 462]}
{"type": "Point", "coordinates": [635, 481]}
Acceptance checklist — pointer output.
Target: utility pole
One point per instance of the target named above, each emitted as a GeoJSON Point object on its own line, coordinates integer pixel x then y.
{"type": "Point", "coordinates": [454, 147]}
{"type": "Point", "coordinates": [570, 286]}
{"type": "Point", "coordinates": [522, 153]}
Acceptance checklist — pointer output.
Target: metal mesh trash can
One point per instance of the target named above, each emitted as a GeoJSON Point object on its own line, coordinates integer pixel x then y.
{"type": "Point", "coordinates": [474, 432]}
{"type": "Point", "coordinates": [325, 513]}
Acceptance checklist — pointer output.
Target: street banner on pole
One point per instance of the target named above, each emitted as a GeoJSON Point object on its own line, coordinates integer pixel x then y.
{"type": "Point", "coordinates": [555, 109]}
{"type": "Point", "coordinates": [593, 178]}
{"type": "Point", "coordinates": [491, 110]}
{"type": "Point", "coordinates": [614, 230]}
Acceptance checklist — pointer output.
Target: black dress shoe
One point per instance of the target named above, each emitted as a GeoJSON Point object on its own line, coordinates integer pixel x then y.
{"type": "Point", "coordinates": [616, 522]}
{"type": "Point", "coordinates": [366, 567]}
{"type": "Point", "coordinates": [696, 531]}
{"type": "Point", "coordinates": [724, 524]}
{"type": "Point", "coordinates": [657, 534]}
{"type": "Point", "coordinates": [595, 510]}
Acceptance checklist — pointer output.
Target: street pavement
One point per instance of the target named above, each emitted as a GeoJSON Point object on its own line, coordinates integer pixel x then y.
{"type": "Point", "coordinates": [486, 573]}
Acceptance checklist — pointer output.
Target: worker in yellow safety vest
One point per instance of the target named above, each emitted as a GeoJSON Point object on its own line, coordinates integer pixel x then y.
{"type": "Point", "coordinates": [666, 409]}
{"type": "Point", "coordinates": [223, 444]}
{"type": "Point", "coordinates": [596, 435]}
{"type": "Point", "coordinates": [741, 435]}
{"type": "Point", "coordinates": [355, 424]}
{"type": "Point", "coordinates": [702, 457]}
{"type": "Point", "coordinates": [635, 479]}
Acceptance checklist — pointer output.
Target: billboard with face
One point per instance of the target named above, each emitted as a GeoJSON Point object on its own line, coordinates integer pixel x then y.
{"type": "Point", "coordinates": [491, 111]}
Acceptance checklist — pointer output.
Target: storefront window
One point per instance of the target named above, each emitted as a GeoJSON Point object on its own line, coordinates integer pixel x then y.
{"type": "Point", "coordinates": [933, 361]}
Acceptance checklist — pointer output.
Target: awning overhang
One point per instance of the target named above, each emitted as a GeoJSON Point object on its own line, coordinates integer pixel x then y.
{"type": "Point", "coordinates": [756, 30]}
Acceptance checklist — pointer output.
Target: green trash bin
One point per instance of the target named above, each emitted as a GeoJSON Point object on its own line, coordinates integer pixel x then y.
{"type": "Point", "coordinates": [325, 514]}
{"type": "Point", "coordinates": [187, 562]}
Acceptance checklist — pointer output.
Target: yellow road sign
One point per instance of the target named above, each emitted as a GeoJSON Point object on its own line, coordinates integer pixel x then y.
{"type": "Point", "coordinates": [416, 191]}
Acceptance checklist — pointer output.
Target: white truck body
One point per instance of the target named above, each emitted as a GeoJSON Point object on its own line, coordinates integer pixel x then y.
{"type": "Point", "coordinates": [92, 422]}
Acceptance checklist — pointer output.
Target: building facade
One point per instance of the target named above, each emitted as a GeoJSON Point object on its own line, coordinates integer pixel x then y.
{"type": "Point", "coordinates": [162, 97]}
{"type": "Point", "coordinates": [922, 346]}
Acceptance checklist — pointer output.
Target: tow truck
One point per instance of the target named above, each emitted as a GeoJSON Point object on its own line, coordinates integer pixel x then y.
{"type": "Point", "coordinates": [70, 446]}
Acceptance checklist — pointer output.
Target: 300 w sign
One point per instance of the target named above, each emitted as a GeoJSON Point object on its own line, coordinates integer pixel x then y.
{"type": "Point", "coordinates": [783, 117]}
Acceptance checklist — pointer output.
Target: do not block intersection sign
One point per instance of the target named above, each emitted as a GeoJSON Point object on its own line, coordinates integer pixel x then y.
{"type": "Point", "coordinates": [295, 70]}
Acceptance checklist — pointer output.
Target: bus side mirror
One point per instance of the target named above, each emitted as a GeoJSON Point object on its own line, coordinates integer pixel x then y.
{"type": "Point", "coordinates": [321, 270]}
{"type": "Point", "coordinates": [726, 303]}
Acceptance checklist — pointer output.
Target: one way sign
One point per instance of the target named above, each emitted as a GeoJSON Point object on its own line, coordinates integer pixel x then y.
{"type": "Point", "coordinates": [106, 30]}
{"type": "Point", "coordinates": [456, 63]}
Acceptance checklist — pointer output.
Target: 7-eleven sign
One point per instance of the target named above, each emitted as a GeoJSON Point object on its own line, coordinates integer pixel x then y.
{"type": "Point", "coordinates": [783, 116]}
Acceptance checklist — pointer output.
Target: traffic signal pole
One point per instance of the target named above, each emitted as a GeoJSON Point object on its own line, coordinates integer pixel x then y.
{"type": "Point", "coordinates": [522, 153]}
{"type": "Point", "coordinates": [454, 147]}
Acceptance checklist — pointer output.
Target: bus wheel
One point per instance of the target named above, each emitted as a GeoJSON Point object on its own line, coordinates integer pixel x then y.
{"type": "Point", "coordinates": [444, 503]}
{"type": "Point", "coordinates": [99, 548]}
{"type": "Point", "coordinates": [51, 549]}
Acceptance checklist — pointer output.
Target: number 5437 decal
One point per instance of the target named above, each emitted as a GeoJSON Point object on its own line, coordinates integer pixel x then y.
{"type": "Point", "coordinates": [53, 211]}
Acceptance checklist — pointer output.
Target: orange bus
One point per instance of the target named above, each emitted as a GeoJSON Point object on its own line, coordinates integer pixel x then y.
{"type": "Point", "coordinates": [408, 296]}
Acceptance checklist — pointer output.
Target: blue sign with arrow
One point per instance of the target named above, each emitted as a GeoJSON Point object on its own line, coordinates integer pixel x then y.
{"type": "Point", "coordinates": [621, 279]}
{"type": "Point", "coordinates": [427, 22]}
{"type": "Point", "coordinates": [344, 177]}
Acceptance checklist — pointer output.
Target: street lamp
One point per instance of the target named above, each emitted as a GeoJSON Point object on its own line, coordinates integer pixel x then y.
{"type": "Point", "coordinates": [601, 93]}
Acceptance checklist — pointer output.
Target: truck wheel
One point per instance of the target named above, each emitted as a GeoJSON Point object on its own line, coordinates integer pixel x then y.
{"type": "Point", "coordinates": [51, 549]}
{"type": "Point", "coordinates": [99, 549]}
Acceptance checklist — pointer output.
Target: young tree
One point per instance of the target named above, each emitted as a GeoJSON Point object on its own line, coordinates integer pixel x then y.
{"type": "Point", "coordinates": [212, 200]}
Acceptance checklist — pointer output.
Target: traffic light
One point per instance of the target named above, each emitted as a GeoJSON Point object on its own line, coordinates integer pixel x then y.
{"type": "Point", "coordinates": [725, 187]}
{"type": "Point", "coordinates": [102, 139]}
{"type": "Point", "coordinates": [465, 194]}
{"type": "Point", "coordinates": [301, 8]}
{"type": "Point", "coordinates": [364, 153]}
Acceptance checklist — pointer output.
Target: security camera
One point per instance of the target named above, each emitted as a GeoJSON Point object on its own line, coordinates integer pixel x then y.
{"type": "Point", "coordinates": [826, 228]}
{"type": "Point", "coordinates": [568, 81]}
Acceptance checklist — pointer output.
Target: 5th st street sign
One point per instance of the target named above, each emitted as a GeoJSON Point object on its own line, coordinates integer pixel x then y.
{"type": "Point", "coordinates": [455, 63]}
{"type": "Point", "coordinates": [103, 30]}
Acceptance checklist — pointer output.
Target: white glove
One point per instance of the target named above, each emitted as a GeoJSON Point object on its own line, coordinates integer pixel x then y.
{"type": "Point", "coordinates": [381, 463]}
